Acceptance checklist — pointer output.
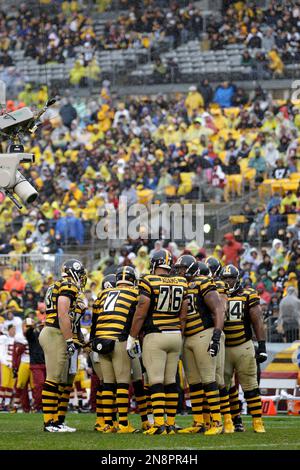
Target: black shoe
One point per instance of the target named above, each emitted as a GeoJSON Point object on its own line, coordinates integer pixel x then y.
{"type": "Point", "coordinates": [238, 424]}
{"type": "Point", "coordinates": [171, 429]}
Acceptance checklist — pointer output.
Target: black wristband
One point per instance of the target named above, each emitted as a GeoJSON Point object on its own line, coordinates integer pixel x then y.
{"type": "Point", "coordinates": [262, 346]}
{"type": "Point", "coordinates": [216, 334]}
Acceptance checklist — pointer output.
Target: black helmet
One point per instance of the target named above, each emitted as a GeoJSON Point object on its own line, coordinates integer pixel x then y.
{"type": "Point", "coordinates": [74, 268]}
{"type": "Point", "coordinates": [230, 271]}
{"type": "Point", "coordinates": [161, 259]}
{"type": "Point", "coordinates": [203, 269]}
{"type": "Point", "coordinates": [189, 263]}
{"type": "Point", "coordinates": [214, 265]}
{"type": "Point", "coordinates": [108, 281]}
{"type": "Point", "coordinates": [125, 275]}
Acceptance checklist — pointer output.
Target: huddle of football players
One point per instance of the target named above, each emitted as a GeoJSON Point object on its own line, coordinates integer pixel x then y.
{"type": "Point", "coordinates": [141, 328]}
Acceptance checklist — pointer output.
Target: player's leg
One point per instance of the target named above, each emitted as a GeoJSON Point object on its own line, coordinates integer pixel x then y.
{"type": "Point", "coordinates": [21, 384]}
{"type": "Point", "coordinates": [247, 373]}
{"type": "Point", "coordinates": [122, 368]}
{"type": "Point", "coordinates": [95, 359]}
{"type": "Point", "coordinates": [195, 386]}
{"type": "Point", "coordinates": [174, 347]}
{"type": "Point", "coordinates": [154, 360]}
{"type": "Point", "coordinates": [223, 390]}
{"type": "Point", "coordinates": [54, 347]}
{"type": "Point", "coordinates": [108, 391]}
{"type": "Point", "coordinates": [207, 366]}
{"type": "Point", "coordinates": [38, 372]}
{"type": "Point", "coordinates": [233, 391]}
{"type": "Point", "coordinates": [139, 391]}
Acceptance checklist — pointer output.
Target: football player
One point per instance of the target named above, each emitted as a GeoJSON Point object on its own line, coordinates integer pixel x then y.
{"type": "Point", "coordinates": [7, 376]}
{"type": "Point", "coordinates": [202, 333]}
{"type": "Point", "coordinates": [108, 282]}
{"type": "Point", "coordinates": [214, 266]}
{"type": "Point", "coordinates": [58, 345]}
{"type": "Point", "coordinates": [243, 312]}
{"type": "Point", "coordinates": [21, 369]}
{"type": "Point", "coordinates": [114, 309]}
{"type": "Point", "coordinates": [161, 313]}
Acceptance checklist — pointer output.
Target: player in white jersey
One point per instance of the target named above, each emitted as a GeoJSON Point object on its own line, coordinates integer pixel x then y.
{"type": "Point", "coordinates": [7, 378]}
{"type": "Point", "coordinates": [21, 370]}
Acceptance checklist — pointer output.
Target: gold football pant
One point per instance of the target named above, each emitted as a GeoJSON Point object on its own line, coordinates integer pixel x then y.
{"type": "Point", "coordinates": [56, 388]}
{"type": "Point", "coordinates": [161, 353]}
{"type": "Point", "coordinates": [241, 359]}
{"type": "Point", "coordinates": [199, 366]}
{"type": "Point", "coordinates": [55, 351]}
{"type": "Point", "coordinates": [116, 370]}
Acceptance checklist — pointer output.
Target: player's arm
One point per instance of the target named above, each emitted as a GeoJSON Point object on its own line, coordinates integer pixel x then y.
{"type": "Point", "coordinates": [214, 303]}
{"type": "Point", "coordinates": [216, 306]}
{"type": "Point", "coordinates": [63, 307]}
{"type": "Point", "coordinates": [183, 314]}
{"type": "Point", "coordinates": [258, 326]}
{"type": "Point", "coordinates": [224, 300]}
{"type": "Point", "coordinates": [140, 315]}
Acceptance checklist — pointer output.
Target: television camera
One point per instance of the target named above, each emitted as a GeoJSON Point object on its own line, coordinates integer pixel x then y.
{"type": "Point", "coordinates": [13, 126]}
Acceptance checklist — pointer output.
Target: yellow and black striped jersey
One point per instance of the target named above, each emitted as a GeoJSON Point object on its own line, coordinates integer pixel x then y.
{"type": "Point", "coordinates": [113, 312]}
{"type": "Point", "coordinates": [76, 313]}
{"type": "Point", "coordinates": [64, 287]}
{"type": "Point", "coordinates": [166, 293]}
{"type": "Point", "coordinates": [199, 317]}
{"type": "Point", "coordinates": [221, 287]}
{"type": "Point", "coordinates": [237, 324]}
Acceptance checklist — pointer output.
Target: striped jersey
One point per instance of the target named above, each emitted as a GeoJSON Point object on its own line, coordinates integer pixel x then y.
{"type": "Point", "coordinates": [76, 314]}
{"type": "Point", "coordinates": [64, 287]}
{"type": "Point", "coordinates": [199, 317]}
{"type": "Point", "coordinates": [113, 311]}
{"type": "Point", "coordinates": [166, 295]}
{"type": "Point", "coordinates": [221, 287]}
{"type": "Point", "coordinates": [237, 324]}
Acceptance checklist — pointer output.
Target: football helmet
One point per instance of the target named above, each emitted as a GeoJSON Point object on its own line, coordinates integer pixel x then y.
{"type": "Point", "coordinates": [108, 281]}
{"type": "Point", "coordinates": [203, 269]}
{"type": "Point", "coordinates": [214, 265]}
{"type": "Point", "coordinates": [126, 275]}
{"type": "Point", "coordinates": [74, 268]}
{"type": "Point", "coordinates": [161, 259]}
{"type": "Point", "coordinates": [188, 264]}
{"type": "Point", "coordinates": [231, 276]}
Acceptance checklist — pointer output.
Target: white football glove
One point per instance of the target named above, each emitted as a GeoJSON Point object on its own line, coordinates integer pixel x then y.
{"type": "Point", "coordinates": [133, 347]}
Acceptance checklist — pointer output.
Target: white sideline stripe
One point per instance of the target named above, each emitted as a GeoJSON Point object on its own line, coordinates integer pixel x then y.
{"type": "Point", "coordinates": [230, 446]}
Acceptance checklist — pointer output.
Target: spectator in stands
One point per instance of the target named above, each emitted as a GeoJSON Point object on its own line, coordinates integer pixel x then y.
{"type": "Point", "coordinates": [70, 229]}
{"type": "Point", "coordinates": [240, 97]}
{"type": "Point", "coordinates": [231, 250]}
{"type": "Point", "coordinates": [254, 39]}
{"type": "Point", "coordinates": [286, 206]}
{"type": "Point", "coordinates": [246, 59]}
{"type": "Point", "coordinates": [280, 170]}
{"type": "Point", "coordinates": [194, 102]}
{"type": "Point", "coordinates": [68, 114]}
{"type": "Point", "coordinates": [258, 162]}
{"type": "Point", "coordinates": [289, 315]}
{"type": "Point", "coordinates": [224, 94]}
{"type": "Point", "coordinates": [160, 71]}
{"type": "Point", "coordinates": [15, 281]}
{"type": "Point", "coordinates": [206, 92]}
{"type": "Point", "coordinates": [275, 65]}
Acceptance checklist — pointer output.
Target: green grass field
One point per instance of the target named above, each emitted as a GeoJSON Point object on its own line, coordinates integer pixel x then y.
{"type": "Point", "coordinates": [24, 432]}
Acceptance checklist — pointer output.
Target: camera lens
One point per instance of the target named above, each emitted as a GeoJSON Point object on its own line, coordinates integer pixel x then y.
{"type": "Point", "coordinates": [24, 190]}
